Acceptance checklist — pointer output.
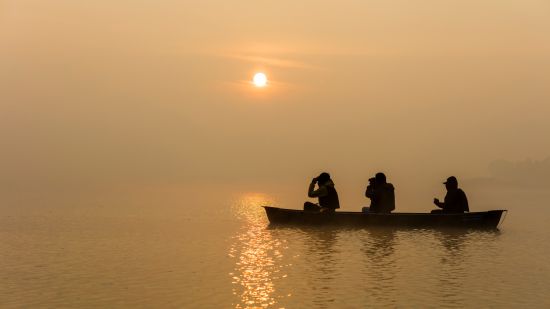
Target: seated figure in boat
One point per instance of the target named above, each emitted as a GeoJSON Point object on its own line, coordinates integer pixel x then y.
{"type": "Point", "coordinates": [368, 193]}
{"type": "Point", "coordinates": [325, 192]}
{"type": "Point", "coordinates": [382, 195]}
{"type": "Point", "coordinates": [455, 200]}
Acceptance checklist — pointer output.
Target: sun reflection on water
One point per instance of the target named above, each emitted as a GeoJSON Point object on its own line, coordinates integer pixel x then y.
{"type": "Point", "coordinates": [256, 252]}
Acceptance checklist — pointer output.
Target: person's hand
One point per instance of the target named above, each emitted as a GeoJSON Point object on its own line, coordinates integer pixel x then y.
{"type": "Point", "coordinates": [436, 201]}
{"type": "Point", "coordinates": [314, 180]}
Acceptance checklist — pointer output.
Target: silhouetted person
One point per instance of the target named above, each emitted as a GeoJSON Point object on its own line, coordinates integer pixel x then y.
{"type": "Point", "coordinates": [326, 193]}
{"type": "Point", "coordinates": [381, 194]}
{"type": "Point", "coordinates": [369, 192]}
{"type": "Point", "coordinates": [455, 200]}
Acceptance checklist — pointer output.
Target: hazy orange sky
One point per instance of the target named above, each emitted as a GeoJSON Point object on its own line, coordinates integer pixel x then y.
{"type": "Point", "coordinates": [100, 92]}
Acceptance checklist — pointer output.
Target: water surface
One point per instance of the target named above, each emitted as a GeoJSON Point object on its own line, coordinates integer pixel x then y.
{"type": "Point", "coordinates": [218, 251]}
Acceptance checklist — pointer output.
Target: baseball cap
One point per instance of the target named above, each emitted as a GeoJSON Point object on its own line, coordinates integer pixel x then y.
{"type": "Point", "coordinates": [451, 179]}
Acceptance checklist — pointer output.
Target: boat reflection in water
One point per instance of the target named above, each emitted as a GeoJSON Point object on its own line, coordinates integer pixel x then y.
{"type": "Point", "coordinates": [319, 265]}
{"type": "Point", "coordinates": [379, 268]}
{"type": "Point", "coordinates": [456, 260]}
{"type": "Point", "coordinates": [257, 255]}
{"type": "Point", "coordinates": [292, 266]}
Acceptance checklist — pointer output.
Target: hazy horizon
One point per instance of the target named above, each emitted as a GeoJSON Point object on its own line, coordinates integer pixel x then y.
{"type": "Point", "coordinates": [106, 93]}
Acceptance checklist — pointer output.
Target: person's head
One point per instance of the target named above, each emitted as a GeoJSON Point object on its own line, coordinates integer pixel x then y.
{"type": "Point", "coordinates": [323, 178]}
{"type": "Point", "coordinates": [380, 178]}
{"type": "Point", "coordinates": [451, 183]}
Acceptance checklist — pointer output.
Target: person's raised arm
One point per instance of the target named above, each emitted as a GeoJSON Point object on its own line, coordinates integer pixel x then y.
{"type": "Point", "coordinates": [369, 192]}
{"type": "Point", "coordinates": [321, 191]}
{"type": "Point", "coordinates": [311, 190]}
{"type": "Point", "coordinates": [438, 203]}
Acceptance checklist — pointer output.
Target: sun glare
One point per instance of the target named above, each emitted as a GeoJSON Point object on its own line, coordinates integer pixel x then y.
{"type": "Point", "coordinates": [259, 80]}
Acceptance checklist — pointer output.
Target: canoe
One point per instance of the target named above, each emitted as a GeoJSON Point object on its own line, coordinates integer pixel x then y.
{"type": "Point", "coordinates": [483, 219]}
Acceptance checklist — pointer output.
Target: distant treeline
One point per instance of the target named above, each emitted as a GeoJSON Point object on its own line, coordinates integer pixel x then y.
{"type": "Point", "coordinates": [527, 172]}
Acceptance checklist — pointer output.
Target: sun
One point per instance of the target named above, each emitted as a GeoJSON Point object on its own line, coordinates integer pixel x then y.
{"type": "Point", "coordinates": [259, 80]}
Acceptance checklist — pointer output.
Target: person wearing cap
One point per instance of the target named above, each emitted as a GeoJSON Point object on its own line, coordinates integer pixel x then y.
{"type": "Point", "coordinates": [455, 199]}
{"type": "Point", "coordinates": [325, 192]}
{"type": "Point", "coordinates": [382, 195]}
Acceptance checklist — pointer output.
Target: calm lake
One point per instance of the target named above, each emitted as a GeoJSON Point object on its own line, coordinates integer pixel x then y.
{"type": "Point", "coordinates": [213, 248]}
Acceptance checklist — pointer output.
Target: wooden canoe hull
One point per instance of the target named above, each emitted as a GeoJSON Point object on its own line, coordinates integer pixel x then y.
{"type": "Point", "coordinates": [486, 219]}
